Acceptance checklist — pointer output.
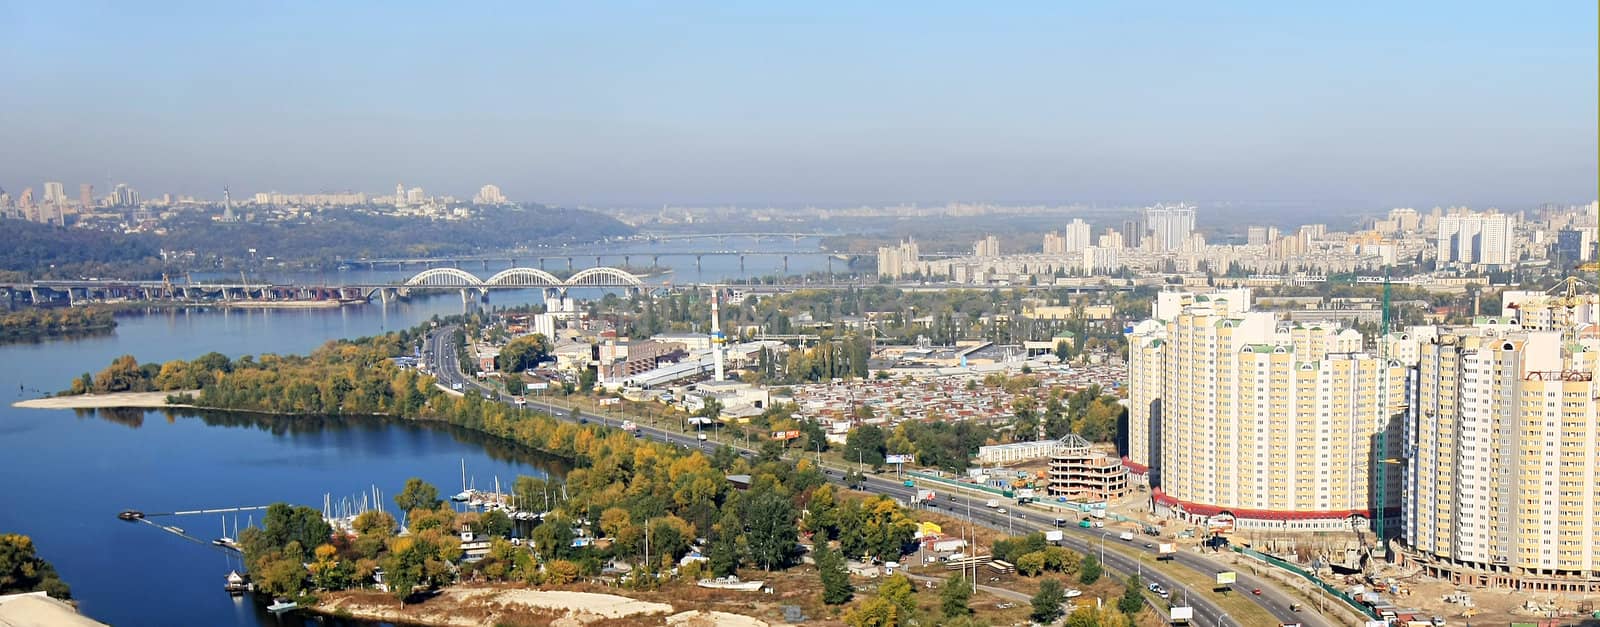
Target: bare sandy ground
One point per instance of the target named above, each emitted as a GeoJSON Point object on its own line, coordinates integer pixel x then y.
{"type": "Point", "coordinates": [102, 401]}
{"type": "Point", "coordinates": [483, 606]}
{"type": "Point", "coordinates": [31, 610]}
{"type": "Point", "coordinates": [700, 618]}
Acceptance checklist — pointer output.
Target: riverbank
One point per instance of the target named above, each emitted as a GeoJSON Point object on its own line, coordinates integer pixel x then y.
{"type": "Point", "coordinates": [466, 606]}
{"type": "Point", "coordinates": [118, 400]}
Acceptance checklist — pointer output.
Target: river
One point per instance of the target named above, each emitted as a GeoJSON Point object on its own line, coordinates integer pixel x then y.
{"type": "Point", "coordinates": [64, 475]}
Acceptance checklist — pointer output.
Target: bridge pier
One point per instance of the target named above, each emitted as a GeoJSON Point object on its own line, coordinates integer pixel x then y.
{"type": "Point", "coordinates": [569, 264]}
{"type": "Point", "coordinates": [830, 268]}
{"type": "Point", "coordinates": [741, 265]}
{"type": "Point", "coordinates": [655, 261]}
{"type": "Point", "coordinates": [486, 264]}
{"type": "Point", "coordinates": [697, 264]}
{"type": "Point", "coordinates": [597, 261]}
{"type": "Point", "coordinates": [785, 264]}
{"type": "Point", "coordinates": [624, 262]}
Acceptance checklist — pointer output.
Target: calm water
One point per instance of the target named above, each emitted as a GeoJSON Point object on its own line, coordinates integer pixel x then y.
{"type": "Point", "coordinates": [64, 475]}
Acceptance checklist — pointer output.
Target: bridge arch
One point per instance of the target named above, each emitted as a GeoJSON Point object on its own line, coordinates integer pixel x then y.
{"type": "Point", "coordinates": [444, 277]}
{"type": "Point", "coordinates": [603, 277]}
{"type": "Point", "coordinates": [523, 277]}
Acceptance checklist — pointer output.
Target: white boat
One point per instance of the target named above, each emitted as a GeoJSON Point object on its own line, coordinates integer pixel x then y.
{"type": "Point", "coordinates": [282, 605]}
{"type": "Point", "coordinates": [731, 583]}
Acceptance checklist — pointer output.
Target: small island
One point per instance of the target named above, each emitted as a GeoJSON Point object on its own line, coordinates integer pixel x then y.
{"type": "Point", "coordinates": [33, 324]}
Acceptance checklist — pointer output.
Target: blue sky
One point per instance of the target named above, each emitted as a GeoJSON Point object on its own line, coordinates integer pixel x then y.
{"type": "Point", "coordinates": [1338, 105]}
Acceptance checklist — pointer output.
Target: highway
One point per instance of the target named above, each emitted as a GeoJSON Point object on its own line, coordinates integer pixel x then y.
{"type": "Point", "coordinates": [443, 362]}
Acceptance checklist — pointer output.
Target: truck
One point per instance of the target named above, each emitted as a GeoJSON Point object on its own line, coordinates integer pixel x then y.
{"type": "Point", "coordinates": [1181, 615]}
{"type": "Point", "coordinates": [1085, 523]}
{"type": "Point", "coordinates": [1061, 522]}
{"type": "Point", "coordinates": [630, 427]}
{"type": "Point", "coordinates": [992, 503]}
{"type": "Point", "coordinates": [1127, 536]}
{"type": "Point", "coordinates": [1053, 535]}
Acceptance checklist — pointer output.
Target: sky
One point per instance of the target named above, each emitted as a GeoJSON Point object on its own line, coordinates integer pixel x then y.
{"type": "Point", "coordinates": [1358, 105]}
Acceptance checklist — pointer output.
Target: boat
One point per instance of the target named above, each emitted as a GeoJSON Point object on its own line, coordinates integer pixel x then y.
{"type": "Point", "coordinates": [282, 605]}
{"type": "Point", "coordinates": [226, 541]}
{"type": "Point", "coordinates": [131, 515]}
{"type": "Point", "coordinates": [236, 583]}
{"type": "Point", "coordinates": [731, 582]}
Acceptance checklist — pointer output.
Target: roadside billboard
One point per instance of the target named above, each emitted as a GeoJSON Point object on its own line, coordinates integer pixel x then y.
{"type": "Point", "coordinates": [1182, 614]}
{"type": "Point", "coordinates": [785, 435]}
{"type": "Point", "coordinates": [1227, 577]}
{"type": "Point", "coordinates": [1166, 550]}
{"type": "Point", "coordinates": [898, 459]}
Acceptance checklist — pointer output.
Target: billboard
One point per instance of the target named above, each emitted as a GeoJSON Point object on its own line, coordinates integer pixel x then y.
{"type": "Point", "coordinates": [785, 435]}
{"type": "Point", "coordinates": [1182, 613]}
{"type": "Point", "coordinates": [1167, 548]}
{"type": "Point", "coordinates": [1227, 577]}
{"type": "Point", "coordinates": [898, 459]}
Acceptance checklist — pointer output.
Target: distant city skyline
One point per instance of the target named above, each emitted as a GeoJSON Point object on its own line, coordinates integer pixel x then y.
{"type": "Point", "coordinates": [1356, 107]}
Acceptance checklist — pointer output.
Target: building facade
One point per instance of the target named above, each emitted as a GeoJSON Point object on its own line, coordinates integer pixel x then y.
{"type": "Point", "coordinates": [1501, 465]}
{"type": "Point", "coordinates": [1279, 425]}
{"type": "Point", "coordinates": [1080, 473]}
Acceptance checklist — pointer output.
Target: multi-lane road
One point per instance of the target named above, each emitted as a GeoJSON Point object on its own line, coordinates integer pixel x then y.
{"type": "Point", "coordinates": [442, 361]}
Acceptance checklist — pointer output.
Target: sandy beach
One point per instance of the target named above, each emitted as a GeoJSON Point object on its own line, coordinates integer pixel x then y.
{"type": "Point", "coordinates": [465, 606]}
{"type": "Point", "coordinates": [102, 401]}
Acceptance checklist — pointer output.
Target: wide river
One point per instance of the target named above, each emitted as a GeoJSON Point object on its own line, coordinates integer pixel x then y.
{"type": "Point", "coordinates": [64, 475]}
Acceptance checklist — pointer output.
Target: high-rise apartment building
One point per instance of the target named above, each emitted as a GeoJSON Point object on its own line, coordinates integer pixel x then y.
{"type": "Point", "coordinates": [489, 195]}
{"type": "Point", "coordinates": [1501, 466]}
{"type": "Point", "coordinates": [1054, 244]}
{"type": "Point", "coordinates": [85, 195]}
{"type": "Point", "coordinates": [989, 246]}
{"type": "Point", "coordinates": [54, 193]}
{"type": "Point", "coordinates": [415, 196]}
{"type": "Point", "coordinates": [1273, 424]}
{"type": "Point", "coordinates": [1476, 238]}
{"type": "Point", "coordinates": [399, 195]}
{"type": "Point", "coordinates": [1079, 235]}
{"type": "Point", "coordinates": [1170, 225]}
{"type": "Point", "coordinates": [897, 261]}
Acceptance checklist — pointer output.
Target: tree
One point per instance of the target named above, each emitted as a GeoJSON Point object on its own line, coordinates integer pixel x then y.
{"type": "Point", "coordinates": [1047, 602]}
{"type": "Point", "coordinates": [897, 590]}
{"type": "Point", "coordinates": [772, 532]}
{"type": "Point", "coordinates": [523, 353]}
{"type": "Point", "coordinates": [955, 596]}
{"type": "Point", "coordinates": [866, 444]}
{"type": "Point", "coordinates": [291, 530]}
{"type": "Point", "coordinates": [1031, 564]}
{"type": "Point", "coordinates": [495, 524]}
{"type": "Point", "coordinates": [1132, 599]}
{"type": "Point", "coordinates": [1091, 616]}
{"type": "Point", "coordinates": [417, 493]}
{"type": "Point", "coordinates": [1089, 571]}
{"type": "Point", "coordinates": [23, 571]}
{"type": "Point", "coordinates": [836, 588]}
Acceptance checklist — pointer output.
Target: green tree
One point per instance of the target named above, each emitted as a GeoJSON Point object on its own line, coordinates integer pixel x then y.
{"type": "Point", "coordinates": [292, 530]}
{"type": "Point", "coordinates": [866, 444]}
{"type": "Point", "coordinates": [495, 524]}
{"type": "Point", "coordinates": [523, 353]}
{"type": "Point", "coordinates": [772, 532]}
{"type": "Point", "coordinates": [955, 596]}
{"type": "Point", "coordinates": [1089, 571]}
{"type": "Point", "coordinates": [417, 493]}
{"type": "Point", "coordinates": [836, 588]}
{"type": "Point", "coordinates": [1047, 602]}
{"type": "Point", "coordinates": [23, 571]}
{"type": "Point", "coordinates": [1132, 599]}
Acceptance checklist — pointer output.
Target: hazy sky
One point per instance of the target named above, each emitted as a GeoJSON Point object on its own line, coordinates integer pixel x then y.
{"type": "Point", "coordinates": [1329, 103]}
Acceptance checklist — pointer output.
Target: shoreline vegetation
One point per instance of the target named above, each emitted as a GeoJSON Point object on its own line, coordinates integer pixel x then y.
{"type": "Point", "coordinates": [622, 493]}
{"type": "Point", "coordinates": [32, 324]}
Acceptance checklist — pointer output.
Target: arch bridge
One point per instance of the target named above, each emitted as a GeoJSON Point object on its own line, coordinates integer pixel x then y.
{"type": "Point", "coordinates": [514, 279]}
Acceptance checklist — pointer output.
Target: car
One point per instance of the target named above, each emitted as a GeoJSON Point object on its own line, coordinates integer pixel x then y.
{"type": "Point", "coordinates": [1149, 546]}
{"type": "Point", "coordinates": [1001, 510]}
{"type": "Point", "coordinates": [952, 498]}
